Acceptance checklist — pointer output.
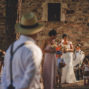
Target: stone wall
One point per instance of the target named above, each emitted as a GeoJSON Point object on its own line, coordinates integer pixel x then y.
{"type": "Point", "coordinates": [75, 20]}
{"type": "Point", "coordinates": [77, 33]}
{"type": "Point", "coordinates": [34, 6]}
{"type": "Point", "coordinates": [2, 24]}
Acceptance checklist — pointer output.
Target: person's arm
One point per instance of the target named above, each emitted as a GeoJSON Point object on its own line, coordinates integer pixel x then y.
{"type": "Point", "coordinates": [43, 47]}
{"type": "Point", "coordinates": [51, 49]}
{"type": "Point", "coordinates": [71, 47]}
{"type": "Point", "coordinates": [82, 67]}
{"type": "Point", "coordinates": [3, 78]}
{"type": "Point", "coordinates": [3, 74]}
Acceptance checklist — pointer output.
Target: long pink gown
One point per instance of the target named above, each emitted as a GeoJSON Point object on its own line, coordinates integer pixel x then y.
{"type": "Point", "coordinates": [49, 70]}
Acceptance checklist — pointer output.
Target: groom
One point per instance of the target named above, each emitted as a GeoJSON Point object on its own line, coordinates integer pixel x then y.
{"type": "Point", "coordinates": [27, 58]}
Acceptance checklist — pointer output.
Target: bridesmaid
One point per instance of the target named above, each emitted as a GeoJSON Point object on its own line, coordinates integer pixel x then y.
{"type": "Point", "coordinates": [49, 65]}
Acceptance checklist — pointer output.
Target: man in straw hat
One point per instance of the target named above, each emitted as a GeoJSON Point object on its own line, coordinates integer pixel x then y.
{"type": "Point", "coordinates": [22, 71]}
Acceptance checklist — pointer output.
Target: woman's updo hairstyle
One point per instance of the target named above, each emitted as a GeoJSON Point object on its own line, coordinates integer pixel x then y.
{"type": "Point", "coordinates": [52, 32]}
{"type": "Point", "coordinates": [64, 35]}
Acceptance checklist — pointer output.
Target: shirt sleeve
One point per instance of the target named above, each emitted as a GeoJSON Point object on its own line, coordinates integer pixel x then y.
{"type": "Point", "coordinates": [30, 70]}
{"type": "Point", "coordinates": [3, 78]}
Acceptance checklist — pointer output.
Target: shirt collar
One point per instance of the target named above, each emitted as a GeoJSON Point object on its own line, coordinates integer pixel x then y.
{"type": "Point", "coordinates": [26, 38]}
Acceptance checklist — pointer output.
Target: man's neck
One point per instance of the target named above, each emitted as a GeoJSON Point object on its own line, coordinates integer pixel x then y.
{"type": "Point", "coordinates": [34, 37]}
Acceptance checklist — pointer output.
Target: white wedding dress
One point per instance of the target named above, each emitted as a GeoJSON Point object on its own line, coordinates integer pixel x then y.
{"type": "Point", "coordinates": [68, 75]}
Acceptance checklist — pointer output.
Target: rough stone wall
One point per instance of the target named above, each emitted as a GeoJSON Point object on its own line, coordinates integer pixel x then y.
{"type": "Point", "coordinates": [2, 24]}
{"type": "Point", "coordinates": [77, 33]}
{"type": "Point", "coordinates": [34, 6]}
{"type": "Point", "coordinates": [78, 12]}
{"type": "Point", "coordinates": [76, 23]}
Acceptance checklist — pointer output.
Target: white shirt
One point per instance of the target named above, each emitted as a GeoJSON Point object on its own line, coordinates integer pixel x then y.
{"type": "Point", "coordinates": [86, 67]}
{"type": "Point", "coordinates": [26, 65]}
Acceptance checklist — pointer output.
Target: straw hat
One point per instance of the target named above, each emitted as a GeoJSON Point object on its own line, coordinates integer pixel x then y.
{"type": "Point", "coordinates": [29, 25]}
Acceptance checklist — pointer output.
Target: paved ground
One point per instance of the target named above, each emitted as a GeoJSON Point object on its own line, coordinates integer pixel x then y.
{"type": "Point", "coordinates": [77, 85]}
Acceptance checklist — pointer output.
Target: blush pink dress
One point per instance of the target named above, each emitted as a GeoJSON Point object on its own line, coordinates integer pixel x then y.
{"type": "Point", "coordinates": [49, 70]}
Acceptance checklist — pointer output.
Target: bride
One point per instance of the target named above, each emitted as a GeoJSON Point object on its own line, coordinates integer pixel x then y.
{"type": "Point", "coordinates": [68, 75]}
